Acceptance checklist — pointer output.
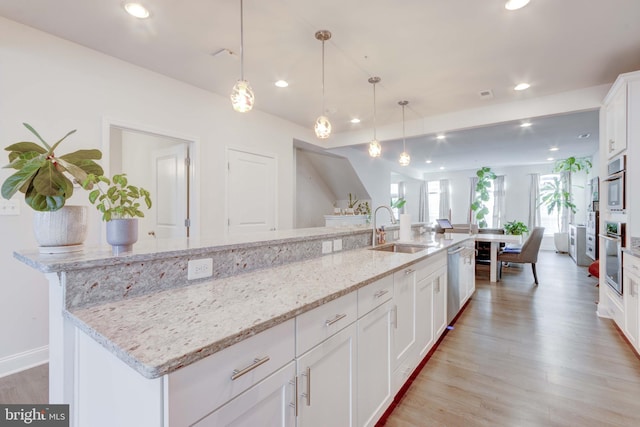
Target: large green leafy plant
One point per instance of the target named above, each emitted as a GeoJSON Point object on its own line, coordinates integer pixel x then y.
{"type": "Point", "coordinates": [515, 228]}
{"type": "Point", "coordinates": [118, 199]}
{"type": "Point", "coordinates": [43, 176]}
{"type": "Point", "coordinates": [485, 180]}
{"type": "Point", "coordinates": [556, 198]}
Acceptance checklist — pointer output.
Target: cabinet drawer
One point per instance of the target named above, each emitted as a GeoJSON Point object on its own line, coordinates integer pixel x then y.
{"type": "Point", "coordinates": [371, 296]}
{"type": "Point", "coordinates": [317, 325]}
{"type": "Point", "coordinates": [631, 263]}
{"type": "Point", "coordinates": [196, 390]}
{"type": "Point", "coordinates": [428, 266]}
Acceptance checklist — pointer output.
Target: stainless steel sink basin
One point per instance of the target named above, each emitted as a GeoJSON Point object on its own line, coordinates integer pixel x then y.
{"type": "Point", "coordinates": [405, 248]}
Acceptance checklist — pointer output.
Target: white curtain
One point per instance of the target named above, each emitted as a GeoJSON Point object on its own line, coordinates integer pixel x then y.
{"type": "Point", "coordinates": [567, 214]}
{"type": "Point", "coordinates": [423, 207]}
{"type": "Point", "coordinates": [473, 182]}
{"type": "Point", "coordinates": [402, 190]}
{"type": "Point", "coordinates": [445, 204]}
{"type": "Point", "coordinates": [534, 197]}
{"type": "Point", "coordinates": [498, 201]}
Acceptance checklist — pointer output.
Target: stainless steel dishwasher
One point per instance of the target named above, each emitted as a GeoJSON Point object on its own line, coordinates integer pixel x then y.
{"type": "Point", "coordinates": [453, 282]}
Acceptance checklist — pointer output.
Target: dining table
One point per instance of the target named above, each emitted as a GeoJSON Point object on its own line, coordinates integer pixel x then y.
{"type": "Point", "coordinates": [495, 240]}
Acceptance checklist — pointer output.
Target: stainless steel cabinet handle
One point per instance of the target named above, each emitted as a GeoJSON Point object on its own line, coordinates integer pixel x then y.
{"type": "Point", "coordinates": [237, 373]}
{"type": "Point", "coordinates": [294, 404]}
{"type": "Point", "coordinates": [381, 293]}
{"type": "Point", "coordinates": [611, 145]}
{"type": "Point", "coordinates": [408, 271]}
{"type": "Point", "coordinates": [395, 317]}
{"type": "Point", "coordinates": [307, 395]}
{"type": "Point", "coordinates": [335, 319]}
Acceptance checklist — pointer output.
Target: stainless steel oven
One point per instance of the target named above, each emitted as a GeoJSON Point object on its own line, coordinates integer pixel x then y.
{"type": "Point", "coordinates": [615, 184]}
{"type": "Point", "coordinates": [612, 242]}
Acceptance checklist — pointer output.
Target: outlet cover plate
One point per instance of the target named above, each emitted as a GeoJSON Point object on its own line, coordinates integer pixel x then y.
{"type": "Point", "coordinates": [326, 247]}
{"type": "Point", "coordinates": [199, 268]}
{"type": "Point", "coordinates": [337, 245]}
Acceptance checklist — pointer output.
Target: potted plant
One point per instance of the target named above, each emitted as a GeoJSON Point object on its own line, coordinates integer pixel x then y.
{"type": "Point", "coordinates": [516, 228]}
{"type": "Point", "coordinates": [351, 205]}
{"type": "Point", "coordinates": [120, 204]}
{"type": "Point", "coordinates": [485, 179]}
{"type": "Point", "coordinates": [556, 198]}
{"type": "Point", "coordinates": [45, 178]}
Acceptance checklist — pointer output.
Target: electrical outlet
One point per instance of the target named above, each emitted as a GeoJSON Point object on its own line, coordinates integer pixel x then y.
{"type": "Point", "coordinates": [337, 245]}
{"type": "Point", "coordinates": [326, 247]}
{"type": "Point", "coordinates": [199, 268]}
{"type": "Point", "coordinates": [395, 234]}
{"type": "Point", "coordinates": [9, 207]}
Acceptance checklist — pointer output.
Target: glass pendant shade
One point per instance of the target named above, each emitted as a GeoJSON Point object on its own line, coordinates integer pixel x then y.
{"type": "Point", "coordinates": [242, 97]}
{"type": "Point", "coordinates": [375, 149]}
{"type": "Point", "coordinates": [323, 127]}
{"type": "Point", "coordinates": [405, 159]}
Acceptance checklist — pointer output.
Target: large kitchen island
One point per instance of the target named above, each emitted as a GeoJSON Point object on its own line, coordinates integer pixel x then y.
{"type": "Point", "coordinates": [280, 333]}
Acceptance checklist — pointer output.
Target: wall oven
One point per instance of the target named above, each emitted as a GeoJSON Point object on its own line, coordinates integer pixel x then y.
{"type": "Point", "coordinates": [612, 242]}
{"type": "Point", "coordinates": [615, 184]}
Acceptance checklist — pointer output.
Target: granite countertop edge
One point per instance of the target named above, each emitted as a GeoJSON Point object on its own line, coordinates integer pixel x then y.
{"type": "Point", "coordinates": [97, 327]}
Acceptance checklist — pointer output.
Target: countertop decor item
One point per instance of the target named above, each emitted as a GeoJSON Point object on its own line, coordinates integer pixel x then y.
{"type": "Point", "coordinates": [45, 178]}
{"type": "Point", "coordinates": [120, 205]}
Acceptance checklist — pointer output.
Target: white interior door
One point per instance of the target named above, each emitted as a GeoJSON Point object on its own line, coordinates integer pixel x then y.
{"type": "Point", "coordinates": [171, 193]}
{"type": "Point", "coordinates": [251, 192]}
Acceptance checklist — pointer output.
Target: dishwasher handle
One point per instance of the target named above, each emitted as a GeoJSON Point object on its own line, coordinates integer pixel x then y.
{"type": "Point", "coordinates": [456, 251]}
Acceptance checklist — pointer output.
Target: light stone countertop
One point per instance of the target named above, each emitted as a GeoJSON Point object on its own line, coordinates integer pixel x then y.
{"type": "Point", "coordinates": [158, 333]}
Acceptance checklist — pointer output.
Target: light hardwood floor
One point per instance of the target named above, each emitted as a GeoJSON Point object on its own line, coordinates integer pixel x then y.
{"type": "Point", "coordinates": [525, 355]}
{"type": "Point", "coordinates": [30, 386]}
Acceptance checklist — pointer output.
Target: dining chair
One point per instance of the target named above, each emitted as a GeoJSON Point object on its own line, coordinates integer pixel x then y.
{"type": "Point", "coordinates": [528, 254]}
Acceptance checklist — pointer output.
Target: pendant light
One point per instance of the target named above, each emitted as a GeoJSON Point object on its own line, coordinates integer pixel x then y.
{"type": "Point", "coordinates": [405, 159]}
{"type": "Point", "coordinates": [323, 126]}
{"type": "Point", "coordinates": [375, 149]}
{"type": "Point", "coordinates": [242, 95]}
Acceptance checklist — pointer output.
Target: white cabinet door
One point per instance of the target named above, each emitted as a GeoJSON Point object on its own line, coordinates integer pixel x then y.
{"type": "Point", "coordinates": [616, 122]}
{"type": "Point", "coordinates": [630, 290]}
{"type": "Point", "coordinates": [467, 275]}
{"type": "Point", "coordinates": [404, 299]}
{"type": "Point", "coordinates": [374, 364]}
{"type": "Point", "coordinates": [268, 403]}
{"type": "Point", "coordinates": [440, 302]}
{"type": "Point", "coordinates": [327, 382]}
{"type": "Point", "coordinates": [425, 333]}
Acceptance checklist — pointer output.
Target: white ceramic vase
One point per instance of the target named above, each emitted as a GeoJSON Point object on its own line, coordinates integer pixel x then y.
{"type": "Point", "coordinates": [122, 234]}
{"type": "Point", "coordinates": [561, 241]}
{"type": "Point", "coordinates": [61, 231]}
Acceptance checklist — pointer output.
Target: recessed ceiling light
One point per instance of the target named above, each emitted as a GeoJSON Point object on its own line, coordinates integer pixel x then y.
{"type": "Point", "coordinates": [440, 136]}
{"type": "Point", "coordinates": [525, 124]}
{"type": "Point", "coordinates": [522, 86]}
{"type": "Point", "coordinates": [584, 135]}
{"type": "Point", "coordinates": [282, 83]}
{"type": "Point", "coordinates": [428, 161]}
{"type": "Point", "coordinates": [137, 10]}
{"type": "Point", "coordinates": [549, 158]}
{"type": "Point", "coordinates": [441, 167]}
{"type": "Point", "coordinates": [355, 120]}
{"type": "Point", "coordinates": [515, 4]}
{"type": "Point", "coordinates": [553, 149]}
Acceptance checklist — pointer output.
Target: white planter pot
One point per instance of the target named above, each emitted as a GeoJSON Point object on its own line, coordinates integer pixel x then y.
{"type": "Point", "coordinates": [61, 231]}
{"type": "Point", "coordinates": [561, 240]}
{"type": "Point", "coordinates": [122, 234]}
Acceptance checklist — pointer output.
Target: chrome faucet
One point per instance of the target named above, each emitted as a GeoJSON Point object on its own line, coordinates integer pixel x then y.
{"type": "Point", "coordinates": [375, 229]}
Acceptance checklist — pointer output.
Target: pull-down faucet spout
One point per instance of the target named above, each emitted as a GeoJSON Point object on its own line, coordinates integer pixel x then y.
{"type": "Point", "coordinates": [375, 228]}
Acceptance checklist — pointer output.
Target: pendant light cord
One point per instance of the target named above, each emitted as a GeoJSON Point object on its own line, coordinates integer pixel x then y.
{"type": "Point", "coordinates": [374, 112]}
{"type": "Point", "coordinates": [322, 113]}
{"type": "Point", "coordinates": [404, 147]}
{"type": "Point", "coordinates": [241, 41]}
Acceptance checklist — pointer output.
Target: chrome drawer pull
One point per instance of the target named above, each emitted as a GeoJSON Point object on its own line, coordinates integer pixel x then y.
{"type": "Point", "coordinates": [408, 271]}
{"type": "Point", "coordinates": [335, 319]}
{"type": "Point", "coordinates": [256, 362]}
{"type": "Point", "coordinates": [381, 293]}
{"type": "Point", "coordinates": [294, 404]}
{"type": "Point", "coordinates": [307, 395]}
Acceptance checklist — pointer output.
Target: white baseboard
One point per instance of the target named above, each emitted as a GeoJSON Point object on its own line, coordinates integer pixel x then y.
{"type": "Point", "coordinates": [25, 360]}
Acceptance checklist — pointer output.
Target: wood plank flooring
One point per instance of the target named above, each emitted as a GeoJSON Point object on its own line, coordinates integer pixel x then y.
{"type": "Point", "coordinates": [525, 355]}
{"type": "Point", "coordinates": [29, 387]}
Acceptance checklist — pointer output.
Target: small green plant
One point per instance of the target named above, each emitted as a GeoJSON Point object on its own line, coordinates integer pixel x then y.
{"type": "Point", "coordinates": [516, 228]}
{"type": "Point", "coordinates": [398, 204]}
{"type": "Point", "coordinates": [42, 175]}
{"type": "Point", "coordinates": [485, 179]}
{"type": "Point", "coordinates": [352, 201]}
{"type": "Point", "coordinates": [363, 209]}
{"type": "Point", "coordinates": [119, 200]}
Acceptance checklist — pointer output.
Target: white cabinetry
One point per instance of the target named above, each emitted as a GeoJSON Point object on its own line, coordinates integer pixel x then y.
{"type": "Point", "coordinates": [326, 364]}
{"type": "Point", "coordinates": [616, 121]}
{"type": "Point", "coordinates": [631, 281]}
{"type": "Point", "coordinates": [374, 350]}
{"type": "Point", "coordinates": [404, 325]}
{"type": "Point", "coordinates": [467, 274]}
{"type": "Point", "coordinates": [440, 302]}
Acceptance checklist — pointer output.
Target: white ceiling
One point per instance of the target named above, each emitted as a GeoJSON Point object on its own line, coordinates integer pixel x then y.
{"type": "Point", "coordinates": [437, 54]}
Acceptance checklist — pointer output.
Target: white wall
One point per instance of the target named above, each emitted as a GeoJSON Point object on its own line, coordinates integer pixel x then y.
{"type": "Point", "coordinates": [314, 198]}
{"type": "Point", "coordinates": [57, 86]}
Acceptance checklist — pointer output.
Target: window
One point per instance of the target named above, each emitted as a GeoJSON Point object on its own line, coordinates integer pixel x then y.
{"type": "Point", "coordinates": [397, 192]}
{"type": "Point", "coordinates": [548, 221]}
{"type": "Point", "coordinates": [433, 198]}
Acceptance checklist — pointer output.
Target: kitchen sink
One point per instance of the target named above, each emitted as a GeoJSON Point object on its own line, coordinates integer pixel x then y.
{"type": "Point", "coordinates": [405, 248]}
